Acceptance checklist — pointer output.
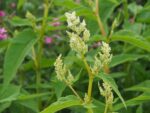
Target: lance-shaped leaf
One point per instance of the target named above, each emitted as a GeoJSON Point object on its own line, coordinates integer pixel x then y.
{"type": "Point", "coordinates": [16, 52]}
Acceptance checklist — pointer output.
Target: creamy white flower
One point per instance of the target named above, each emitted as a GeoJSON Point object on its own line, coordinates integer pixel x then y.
{"type": "Point", "coordinates": [77, 44]}
{"type": "Point", "coordinates": [60, 69]}
{"type": "Point", "coordinates": [86, 98]}
{"type": "Point", "coordinates": [70, 78]}
{"type": "Point", "coordinates": [106, 91]}
{"type": "Point", "coordinates": [63, 74]}
{"type": "Point", "coordinates": [102, 58]}
{"type": "Point", "coordinates": [71, 16]}
{"type": "Point", "coordinates": [79, 34]}
{"type": "Point", "coordinates": [86, 35]}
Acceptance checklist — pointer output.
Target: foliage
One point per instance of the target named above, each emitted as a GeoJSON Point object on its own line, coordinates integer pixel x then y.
{"type": "Point", "coordinates": [36, 36]}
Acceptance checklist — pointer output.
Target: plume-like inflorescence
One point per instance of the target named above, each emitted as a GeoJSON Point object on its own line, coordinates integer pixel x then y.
{"type": "Point", "coordinates": [102, 58]}
{"type": "Point", "coordinates": [63, 74]}
{"type": "Point", "coordinates": [106, 91]}
{"type": "Point", "coordinates": [79, 34]}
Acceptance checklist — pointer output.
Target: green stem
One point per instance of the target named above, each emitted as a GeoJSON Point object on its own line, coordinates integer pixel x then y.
{"type": "Point", "coordinates": [113, 26]}
{"type": "Point", "coordinates": [87, 66]}
{"type": "Point", "coordinates": [74, 91]}
{"type": "Point", "coordinates": [76, 94]}
{"type": "Point", "coordinates": [37, 70]}
{"type": "Point", "coordinates": [90, 85]}
{"type": "Point", "coordinates": [38, 75]}
{"type": "Point", "coordinates": [34, 57]}
{"type": "Point", "coordinates": [90, 110]}
{"type": "Point", "coordinates": [106, 108]}
{"type": "Point", "coordinates": [42, 31]}
{"type": "Point", "coordinates": [37, 59]}
{"type": "Point", "coordinates": [101, 27]}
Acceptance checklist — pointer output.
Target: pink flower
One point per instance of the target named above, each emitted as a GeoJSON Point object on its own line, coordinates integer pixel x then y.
{"type": "Point", "coordinates": [48, 40]}
{"type": "Point", "coordinates": [55, 24]}
{"type": "Point", "coordinates": [2, 14]}
{"type": "Point", "coordinates": [3, 34]}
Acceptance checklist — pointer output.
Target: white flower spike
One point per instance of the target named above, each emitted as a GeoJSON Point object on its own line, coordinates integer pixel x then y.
{"type": "Point", "coordinates": [79, 35]}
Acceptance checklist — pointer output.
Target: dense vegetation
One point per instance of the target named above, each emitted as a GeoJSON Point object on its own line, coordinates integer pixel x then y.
{"type": "Point", "coordinates": [74, 56]}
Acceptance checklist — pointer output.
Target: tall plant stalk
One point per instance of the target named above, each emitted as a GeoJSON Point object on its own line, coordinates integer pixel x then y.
{"type": "Point", "coordinates": [37, 56]}
{"type": "Point", "coordinates": [41, 38]}
{"type": "Point", "coordinates": [90, 84]}
{"type": "Point", "coordinates": [100, 23]}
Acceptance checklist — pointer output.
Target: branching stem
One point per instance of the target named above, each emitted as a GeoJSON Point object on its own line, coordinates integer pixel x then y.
{"type": "Point", "coordinates": [77, 95]}
{"type": "Point", "coordinates": [90, 85]}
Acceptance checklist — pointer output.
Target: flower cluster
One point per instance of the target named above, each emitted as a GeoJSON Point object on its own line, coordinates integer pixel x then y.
{"type": "Point", "coordinates": [106, 91]}
{"type": "Point", "coordinates": [105, 53]}
{"type": "Point", "coordinates": [102, 58]}
{"type": "Point", "coordinates": [3, 33]}
{"type": "Point", "coordinates": [79, 35]}
{"type": "Point", "coordinates": [63, 74]}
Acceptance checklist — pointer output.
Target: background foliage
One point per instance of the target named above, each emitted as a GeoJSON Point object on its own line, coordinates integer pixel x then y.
{"type": "Point", "coordinates": [20, 91]}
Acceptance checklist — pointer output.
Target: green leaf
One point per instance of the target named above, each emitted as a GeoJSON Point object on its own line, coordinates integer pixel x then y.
{"type": "Point", "coordinates": [27, 101]}
{"type": "Point", "coordinates": [144, 15]}
{"type": "Point", "coordinates": [4, 43]}
{"type": "Point", "coordinates": [4, 105]}
{"type": "Point", "coordinates": [122, 58]}
{"type": "Point", "coordinates": [62, 103]}
{"type": "Point", "coordinates": [54, 28]}
{"type": "Point", "coordinates": [134, 8]}
{"type": "Point", "coordinates": [42, 86]}
{"type": "Point", "coordinates": [59, 87]}
{"type": "Point", "coordinates": [44, 63]}
{"type": "Point", "coordinates": [32, 96]}
{"type": "Point", "coordinates": [10, 94]}
{"type": "Point", "coordinates": [66, 3]}
{"type": "Point", "coordinates": [107, 78]}
{"type": "Point", "coordinates": [134, 101]}
{"type": "Point", "coordinates": [20, 3]}
{"type": "Point", "coordinates": [126, 36]}
{"type": "Point", "coordinates": [144, 86]}
{"type": "Point", "coordinates": [16, 52]}
{"type": "Point", "coordinates": [30, 106]}
{"type": "Point", "coordinates": [98, 106]}
{"type": "Point", "coordinates": [118, 74]}
{"type": "Point", "coordinates": [139, 109]}
{"type": "Point", "coordinates": [134, 27]}
{"type": "Point", "coordinates": [17, 21]}
{"type": "Point", "coordinates": [106, 8]}
{"type": "Point", "coordinates": [96, 38]}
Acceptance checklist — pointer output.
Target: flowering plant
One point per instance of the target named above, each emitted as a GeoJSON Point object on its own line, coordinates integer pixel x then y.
{"type": "Point", "coordinates": [74, 56]}
{"type": "Point", "coordinates": [102, 59]}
